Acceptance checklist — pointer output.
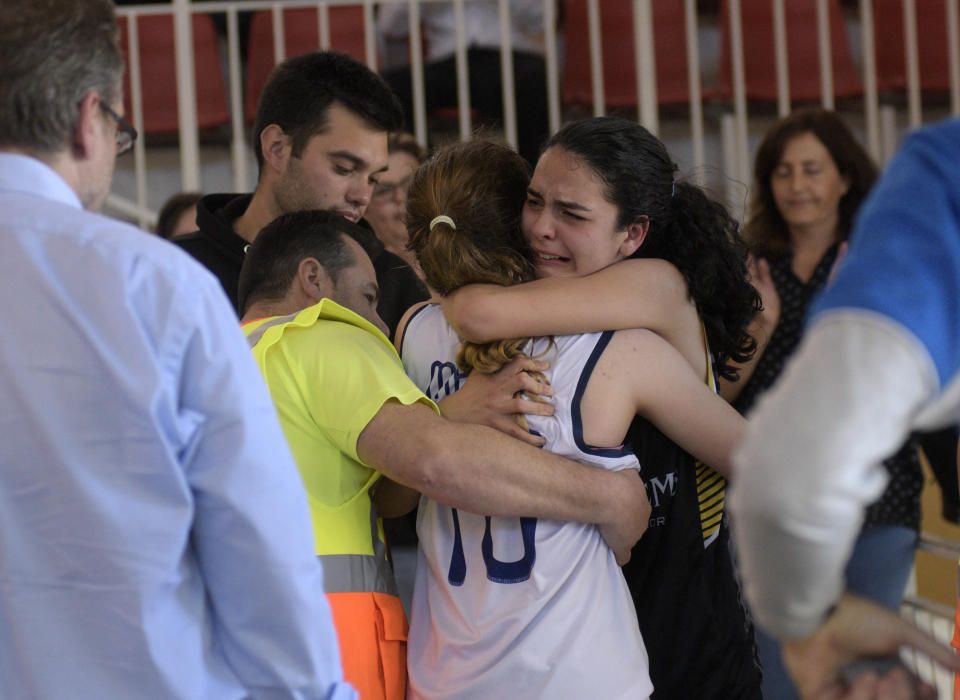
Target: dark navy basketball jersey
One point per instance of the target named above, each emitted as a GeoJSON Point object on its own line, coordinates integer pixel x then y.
{"type": "Point", "coordinates": [681, 576]}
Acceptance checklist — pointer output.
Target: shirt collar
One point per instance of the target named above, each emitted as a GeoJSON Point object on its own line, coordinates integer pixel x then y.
{"type": "Point", "coordinates": [28, 175]}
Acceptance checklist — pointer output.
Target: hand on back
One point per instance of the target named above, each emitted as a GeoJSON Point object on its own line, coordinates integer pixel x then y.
{"type": "Point", "coordinates": [501, 399]}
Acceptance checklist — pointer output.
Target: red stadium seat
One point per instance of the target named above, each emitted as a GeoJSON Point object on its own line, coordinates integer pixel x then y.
{"type": "Point", "coordinates": [158, 73]}
{"type": "Point", "coordinates": [803, 53]}
{"type": "Point", "coordinates": [932, 48]}
{"type": "Point", "coordinates": [301, 33]}
{"type": "Point", "coordinates": [619, 63]}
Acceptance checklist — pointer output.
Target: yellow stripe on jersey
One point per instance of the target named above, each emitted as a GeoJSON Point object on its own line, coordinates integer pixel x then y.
{"type": "Point", "coordinates": [711, 486]}
{"type": "Point", "coordinates": [711, 496]}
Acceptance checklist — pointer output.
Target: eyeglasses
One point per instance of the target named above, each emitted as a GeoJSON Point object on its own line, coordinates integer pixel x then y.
{"type": "Point", "coordinates": [126, 134]}
{"type": "Point", "coordinates": [383, 190]}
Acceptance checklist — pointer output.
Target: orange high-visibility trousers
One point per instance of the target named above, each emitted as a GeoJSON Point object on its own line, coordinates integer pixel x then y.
{"type": "Point", "coordinates": [956, 648]}
{"type": "Point", "coordinates": [372, 631]}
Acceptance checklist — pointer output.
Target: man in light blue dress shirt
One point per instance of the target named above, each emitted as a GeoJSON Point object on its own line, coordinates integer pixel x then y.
{"type": "Point", "coordinates": [154, 534]}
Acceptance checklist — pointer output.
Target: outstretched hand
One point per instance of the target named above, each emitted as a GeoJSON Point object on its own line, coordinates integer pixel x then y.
{"type": "Point", "coordinates": [497, 400]}
{"type": "Point", "coordinates": [859, 631]}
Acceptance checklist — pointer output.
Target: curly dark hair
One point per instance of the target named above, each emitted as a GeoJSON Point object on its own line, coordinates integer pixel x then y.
{"type": "Point", "coordinates": [765, 231]}
{"type": "Point", "coordinates": [687, 228]}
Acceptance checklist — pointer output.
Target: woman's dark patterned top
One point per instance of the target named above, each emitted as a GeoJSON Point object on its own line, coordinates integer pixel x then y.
{"type": "Point", "coordinates": [900, 503]}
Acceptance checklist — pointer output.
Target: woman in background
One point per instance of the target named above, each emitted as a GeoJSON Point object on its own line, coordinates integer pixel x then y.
{"type": "Point", "coordinates": [810, 178]}
{"type": "Point", "coordinates": [178, 215]}
{"type": "Point", "coordinates": [388, 206]}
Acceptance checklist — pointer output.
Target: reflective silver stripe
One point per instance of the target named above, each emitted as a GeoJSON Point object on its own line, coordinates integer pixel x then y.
{"type": "Point", "coordinates": [256, 335]}
{"type": "Point", "coordinates": [354, 573]}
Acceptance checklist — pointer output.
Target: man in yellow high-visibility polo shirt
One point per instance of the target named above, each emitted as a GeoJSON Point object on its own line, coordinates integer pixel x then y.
{"type": "Point", "coordinates": [308, 293]}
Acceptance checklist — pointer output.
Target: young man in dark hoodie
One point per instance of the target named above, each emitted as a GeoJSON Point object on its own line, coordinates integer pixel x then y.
{"type": "Point", "coordinates": [320, 138]}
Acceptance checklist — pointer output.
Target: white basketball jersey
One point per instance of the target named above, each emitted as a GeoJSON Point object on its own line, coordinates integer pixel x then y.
{"type": "Point", "coordinates": [519, 607]}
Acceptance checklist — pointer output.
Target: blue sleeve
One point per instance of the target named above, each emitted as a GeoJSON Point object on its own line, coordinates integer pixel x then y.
{"type": "Point", "coordinates": [904, 259]}
{"type": "Point", "coordinates": [252, 532]}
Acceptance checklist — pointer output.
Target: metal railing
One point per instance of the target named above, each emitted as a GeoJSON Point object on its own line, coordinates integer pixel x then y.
{"type": "Point", "coordinates": [879, 126]}
{"type": "Point", "coordinates": [932, 617]}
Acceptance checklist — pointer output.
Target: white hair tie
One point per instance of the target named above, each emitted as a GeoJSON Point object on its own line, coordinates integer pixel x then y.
{"type": "Point", "coordinates": [443, 219]}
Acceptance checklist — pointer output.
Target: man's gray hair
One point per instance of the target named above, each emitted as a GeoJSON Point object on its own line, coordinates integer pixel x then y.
{"type": "Point", "coordinates": [52, 53]}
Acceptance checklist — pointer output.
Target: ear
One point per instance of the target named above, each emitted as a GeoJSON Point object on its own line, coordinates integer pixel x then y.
{"type": "Point", "coordinates": [276, 148]}
{"type": "Point", "coordinates": [636, 235]}
{"type": "Point", "coordinates": [88, 127]}
{"type": "Point", "coordinates": [312, 280]}
{"type": "Point", "coordinates": [846, 185]}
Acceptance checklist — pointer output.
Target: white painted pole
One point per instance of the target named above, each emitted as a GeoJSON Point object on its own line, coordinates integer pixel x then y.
{"type": "Point", "coordinates": [953, 44]}
{"type": "Point", "coordinates": [645, 60]}
{"type": "Point", "coordinates": [464, 108]}
{"type": "Point", "coordinates": [781, 54]}
{"type": "Point", "coordinates": [728, 139]}
{"type": "Point", "coordinates": [553, 71]}
{"type": "Point", "coordinates": [871, 100]}
{"type": "Point", "coordinates": [693, 81]}
{"type": "Point", "coordinates": [238, 146]}
{"type": "Point", "coordinates": [506, 75]}
{"type": "Point", "coordinates": [596, 57]}
{"type": "Point", "coordinates": [136, 102]}
{"type": "Point", "coordinates": [739, 92]}
{"type": "Point", "coordinates": [323, 26]}
{"type": "Point", "coordinates": [888, 127]}
{"type": "Point", "coordinates": [130, 209]}
{"type": "Point", "coordinates": [370, 35]}
{"type": "Point", "coordinates": [416, 72]}
{"type": "Point", "coordinates": [826, 54]}
{"type": "Point", "coordinates": [186, 96]}
{"type": "Point", "coordinates": [279, 41]}
{"type": "Point", "coordinates": [913, 62]}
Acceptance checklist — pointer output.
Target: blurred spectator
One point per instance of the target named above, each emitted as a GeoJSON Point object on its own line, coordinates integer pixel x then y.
{"type": "Point", "coordinates": [482, 28]}
{"type": "Point", "coordinates": [388, 206]}
{"type": "Point", "coordinates": [178, 215]}
{"type": "Point", "coordinates": [880, 358]}
{"type": "Point", "coordinates": [810, 178]}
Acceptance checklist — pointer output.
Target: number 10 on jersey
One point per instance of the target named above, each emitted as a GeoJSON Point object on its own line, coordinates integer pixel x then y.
{"type": "Point", "coordinates": [497, 571]}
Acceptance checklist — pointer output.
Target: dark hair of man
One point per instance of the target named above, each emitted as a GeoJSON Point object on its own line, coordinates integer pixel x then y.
{"type": "Point", "coordinates": [272, 260]}
{"type": "Point", "coordinates": [687, 228]}
{"type": "Point", "coordinates": [301, 90]}
{"type": "Point", "coordinates": [765, 230]}
{"type": "Point", "coordinates": [52, 53]}
{"type": "Point", "coordinates": [172, 209]}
